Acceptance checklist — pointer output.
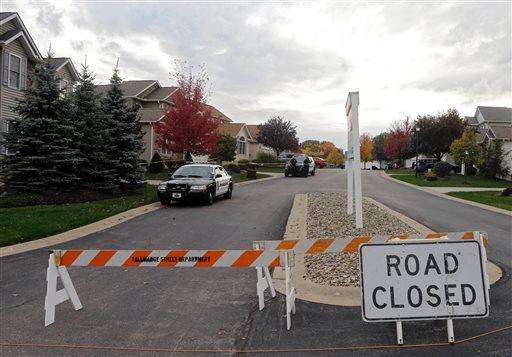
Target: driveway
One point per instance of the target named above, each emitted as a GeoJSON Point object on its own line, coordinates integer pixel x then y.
{"type": "Point", "coordinates": [192, 309]}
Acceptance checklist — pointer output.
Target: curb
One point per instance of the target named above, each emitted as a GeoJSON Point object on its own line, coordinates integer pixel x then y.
{"type": "Point", "coordinates": [433, 192]}
{"type": "Point", "coordinates": [335, 295]}
{"type": "Point", "coordinates": [94, 227]}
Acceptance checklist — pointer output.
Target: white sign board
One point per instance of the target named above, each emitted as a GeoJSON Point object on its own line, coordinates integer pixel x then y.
{"type": "Point", "coordinates": [423, 281]}
{"type": "Point", "coordinates": [353, 159]}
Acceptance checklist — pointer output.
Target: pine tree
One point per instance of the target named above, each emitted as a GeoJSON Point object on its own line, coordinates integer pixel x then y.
{"type": "Point", "coordinates": [94, 141]}
{"type": "Point", "coordinates": [41, 138]}
{"type": "Point", "coordinates": [124, 131]}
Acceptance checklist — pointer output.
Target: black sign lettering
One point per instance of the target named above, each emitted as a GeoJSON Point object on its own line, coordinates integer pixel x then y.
{"type": "Point", "coordinates": [448, 294]}
{"type": "Point", "coordinates": [432, 264]}
{"type": "Point", "coordinates": [418, 292]}
{"type": "Point", "coordinates": [455, 263]}
{"type": "Point", "coordinates": [392, 293]}
{"type": "Point", "coordinates": [433, 295]}
{"type": "Point", "coordinates": [408, 259]}
{"type": "Point", "coordinates": [473, 294]}
{"type": "Point", "coordinates": [374, 297]}
{"type": "Point", "coordinates": [393, 264]}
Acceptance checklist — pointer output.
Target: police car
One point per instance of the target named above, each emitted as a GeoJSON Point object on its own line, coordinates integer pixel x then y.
{"type": "Point", "coordinates": [196, 182]}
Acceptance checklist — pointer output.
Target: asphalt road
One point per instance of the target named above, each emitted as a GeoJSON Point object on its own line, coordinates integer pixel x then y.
{"type": "Point", "coordinates": [192, 309]}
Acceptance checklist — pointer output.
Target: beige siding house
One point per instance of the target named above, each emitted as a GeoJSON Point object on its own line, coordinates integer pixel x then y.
{"type": "Point", "coordinates": [18, 58]}
{"type": "Point", "coordinates": [247, 145]}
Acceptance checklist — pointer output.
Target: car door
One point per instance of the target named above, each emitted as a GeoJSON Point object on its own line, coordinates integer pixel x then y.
{"type": "Point", "coordinates": [220, 182]}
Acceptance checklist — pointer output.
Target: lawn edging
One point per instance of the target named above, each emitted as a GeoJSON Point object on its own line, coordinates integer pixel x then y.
{"type": "Point", "coordinates": [432, 191]}
{"type": "Point", "coordinates": [94, 227]}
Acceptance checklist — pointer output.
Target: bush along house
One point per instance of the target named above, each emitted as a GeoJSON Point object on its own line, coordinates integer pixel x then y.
{"type": "Point", "coordinates": [19, 56]}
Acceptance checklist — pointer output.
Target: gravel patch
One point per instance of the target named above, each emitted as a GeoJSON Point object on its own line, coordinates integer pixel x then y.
{"type": "Point", "coordinates": [327, 218]}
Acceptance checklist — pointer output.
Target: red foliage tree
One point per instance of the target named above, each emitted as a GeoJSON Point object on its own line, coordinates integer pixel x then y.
{"type": "Point", "coordinates": [188, 126]}
{"type": "Point", "coordinates": [398, 142]}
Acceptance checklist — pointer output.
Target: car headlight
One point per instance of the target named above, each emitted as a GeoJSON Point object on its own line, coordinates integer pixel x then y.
{"type": "Point", "coordinates": [162, 187]}
{"type": "Point", "coordinates": [198, 187]}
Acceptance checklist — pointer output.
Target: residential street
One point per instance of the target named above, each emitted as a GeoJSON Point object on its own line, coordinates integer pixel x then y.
{"type": "Point", "coordinates": [185, 308]}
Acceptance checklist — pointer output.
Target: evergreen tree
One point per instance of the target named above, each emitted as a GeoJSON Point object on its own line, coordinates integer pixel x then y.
{"type": "Point", "coordinates": [94, 141]}
{"type": "Point", "coordinates": [125, 133]}
{"type": "Point", "coordinates": [41, 138]}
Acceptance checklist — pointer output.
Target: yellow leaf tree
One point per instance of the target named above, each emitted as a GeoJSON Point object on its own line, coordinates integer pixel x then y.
{"type": "Point", "coordinates": [366, 148]}
{"type": "Point", "coordinates": [312, 148]}
{"type": "Point", "coordinates": [335, 157]}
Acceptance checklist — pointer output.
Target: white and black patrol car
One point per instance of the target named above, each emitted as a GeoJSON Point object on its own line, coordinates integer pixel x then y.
{"type": "Point", "coordinates": [201, 182]}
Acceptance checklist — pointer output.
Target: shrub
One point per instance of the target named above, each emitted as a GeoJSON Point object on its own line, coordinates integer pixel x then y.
{"type": "Point", "coordinates": [494, 160]}
{"type": "Point", "coordinates": [243, 161]}
{"type": "Point", "coordinates": [430, 176]}
{"type": "Point", "coordinates": [156, 165]}
{"type": "Point", "coordinates": [233, 168]}
{"type": "Point", "coordinates": [506, 192]}
{"type": "Point", "coordinates": [442, 168]}
{"type": "Point", "coordinates": [264, 157]}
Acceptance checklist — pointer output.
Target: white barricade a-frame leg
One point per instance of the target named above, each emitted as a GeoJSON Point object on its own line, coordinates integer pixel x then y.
{"type": "Point", "coordinates": [54, 296]}
{"type": "Point", "coordinates": [264, 281]}
{"type": "Point", "coordinates": [290, 290]}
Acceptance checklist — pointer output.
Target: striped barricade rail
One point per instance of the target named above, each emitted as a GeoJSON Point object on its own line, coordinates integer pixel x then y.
{"type": "Point", "coordinates": [262, 260]}
{"type": "Point", "coordinates": [351, 245]}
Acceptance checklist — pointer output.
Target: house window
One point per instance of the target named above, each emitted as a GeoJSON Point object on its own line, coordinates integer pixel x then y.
{"type": "Point", "coordinates": [241, 146]}
{"type": "Point", "coordinates": [166, 150]}
{"type": "Point", "coordinates": [14, 71]}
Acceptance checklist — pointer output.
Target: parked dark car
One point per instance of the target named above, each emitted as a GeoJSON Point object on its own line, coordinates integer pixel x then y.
{"type": "Point", "coordinates": [425, 164]}
{"type": "Point", "coordinates": [196, 182]}
{"type": "Point", "coordinates": [300, 165]}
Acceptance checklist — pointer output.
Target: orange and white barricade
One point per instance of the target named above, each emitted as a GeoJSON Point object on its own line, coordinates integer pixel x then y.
{"type": "Point", "coordinates": [351, 245]}
{"type": "Point", "coordinates": [261, 260]}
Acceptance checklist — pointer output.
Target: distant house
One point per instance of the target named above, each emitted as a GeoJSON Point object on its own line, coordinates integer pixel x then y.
{"type": "Point", "coordinates": [19, 56]}
{"type": "Point", "coordinates": [153, 101]}
{"type": "Point", "coordinates": [255, 147]}
{"type": "Point", "coordinates": [247, 145]}
{"type": "Point", "coordinates": [492, 123]}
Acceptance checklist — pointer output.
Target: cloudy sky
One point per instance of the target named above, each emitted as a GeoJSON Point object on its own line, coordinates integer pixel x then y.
{"type": "Point", "coordinates": [297, 59]}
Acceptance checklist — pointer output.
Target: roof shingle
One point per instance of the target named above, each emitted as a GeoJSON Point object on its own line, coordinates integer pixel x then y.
{"type": "Point", "coordinates": [129, 88]}
{"type": "Point", "coordinates": [231, 129]}
{"type": "Point", "coordinates": [496, 114]}
{"type": "Point", "coordinates": [150, 115]}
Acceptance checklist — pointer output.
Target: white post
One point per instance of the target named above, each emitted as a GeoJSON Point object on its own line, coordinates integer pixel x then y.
{"type": "Point", "coordinates": [449, 325]}
{"type": "Point", "coordinates": [354, 189]}
{"type": "Point", "coordinates": [399, 335]}
{"type": "Point", "coordinates": [263, 281]}
{"type": "Point", "coordinates": [54, 296]}
{"type": "Point", "coordinates": [463, 168]}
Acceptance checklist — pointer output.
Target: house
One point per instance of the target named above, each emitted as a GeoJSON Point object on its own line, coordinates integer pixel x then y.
{"type": "Point", "coordinates": [153, 101]}
{"type": "Point", "coordinates": [19, 56]}
{"type": "Point", "coordinates": [494, 123]}
{"type": "Point", "coordinates": [247, 145]}
{"type": "Point", "coordinates": [255, 147]}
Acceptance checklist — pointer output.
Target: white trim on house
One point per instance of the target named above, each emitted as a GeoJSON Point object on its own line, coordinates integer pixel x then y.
{"type": "Point", "coordinates": [135, 95]}
{"type": "Point", "coordinates": [27, 38]}
{"type": "Point", "coordinates": [26, 44]}
{"type": "Point", "coordinates": [9, 71]}
{"type": "Point", "coordinates": [170, 93]}
{"type": "Point", "coordinates": [71, 65]}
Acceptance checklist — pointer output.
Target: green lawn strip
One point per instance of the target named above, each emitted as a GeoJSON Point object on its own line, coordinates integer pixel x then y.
{"type": "Point", "coordinates": [491, 198]}
{"type": "Point", "coordinates": [454, 181]}
{"type": "Point", "coordinates": [400, 172]}
{"type": "Point", "coordinates": [22, 224]}
{"type": "Point", "coordinates": [243, 177]}
{"type": "Point", "coordinates": [271, 169]}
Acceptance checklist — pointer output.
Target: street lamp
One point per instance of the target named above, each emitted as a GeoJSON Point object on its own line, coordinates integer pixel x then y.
{"type": "Point", "coordinates": [417, 134]}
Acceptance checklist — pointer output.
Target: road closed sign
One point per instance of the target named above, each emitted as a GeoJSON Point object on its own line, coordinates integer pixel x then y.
{"type": "Point", "coordinates": [423, 281]}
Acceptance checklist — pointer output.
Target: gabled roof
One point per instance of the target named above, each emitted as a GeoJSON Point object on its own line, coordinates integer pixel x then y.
{"type": "Point", "coordinates": [496, 114]}
{"type": "Point", "coordinates": [503, 132]}
{"type": "Point", "coordinates": [231, 129]}
{"type": "Point", "coordinates": [151, 115]}
{"type": "Point", "coordinates": [471, 120]}
{"type": "Point", "coordinates": [23, 34]}
{"type": "Point", "coordinates": [162, 93]}
{"type": "Point", "coordinates": [218, 114]}
{"type": "Point", "coordinates": [254, 129]}
{"type": "Point", "coordinates": [129, 88]}
{"type": "Point", "coordinates": [59, 62]}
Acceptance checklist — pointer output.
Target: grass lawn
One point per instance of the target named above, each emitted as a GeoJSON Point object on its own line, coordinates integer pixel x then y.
{"type": "Point", "coordinates": [22, 224]}
{"type": "Point", "coordinates": [400, 172]}
{"type": "Point", "coordinates": [156, 176]}
{"type": "Point", "coordinates": [271, 169]}
{"type": "Point", "coordinates": [491, 198]}
{"type": "Point", "coordinates": [454, 181]}
{"type": "Point", "coordinates": [243, 177]}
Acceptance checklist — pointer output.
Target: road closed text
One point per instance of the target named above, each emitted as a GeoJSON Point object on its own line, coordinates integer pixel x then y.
{"type": "Point", "coordinates": [422, 280]}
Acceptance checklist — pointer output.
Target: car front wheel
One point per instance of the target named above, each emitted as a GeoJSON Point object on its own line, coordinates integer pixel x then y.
{"type": "Point", "coordinates": [229, 194]}
{"type": "Point", "coordinates": [313, 173]}
{"type": "Point", "coordinates": [209, 198]}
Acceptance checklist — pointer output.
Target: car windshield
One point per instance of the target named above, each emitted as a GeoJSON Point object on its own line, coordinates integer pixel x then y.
{"type": "Point", "coordinates": [300, 159]}
{"type": "Point", "coordinates": [193, 171]}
